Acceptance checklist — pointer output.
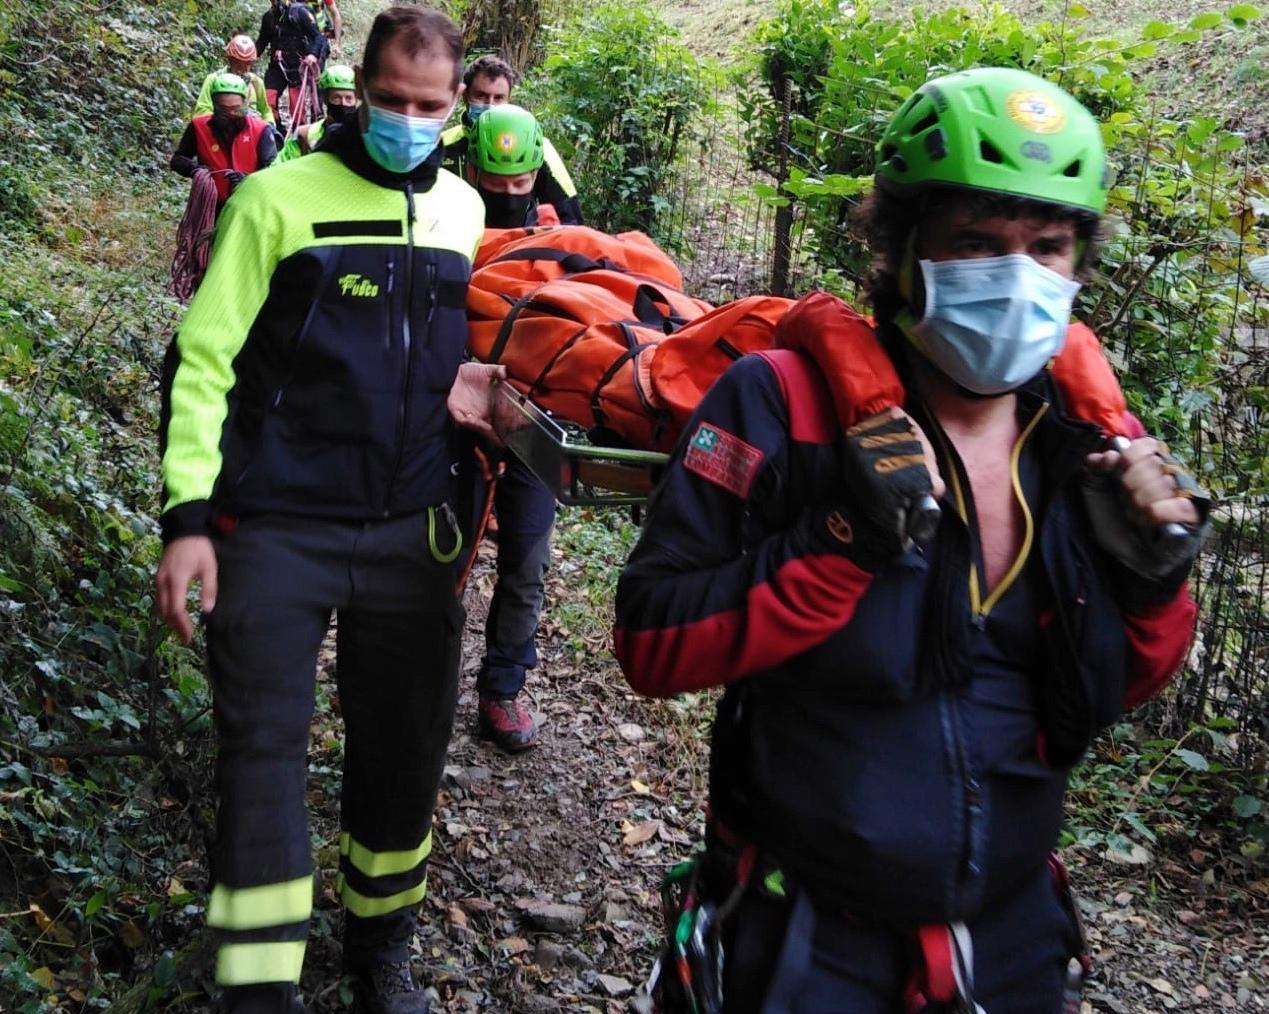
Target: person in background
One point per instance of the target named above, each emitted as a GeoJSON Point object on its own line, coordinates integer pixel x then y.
{"type": "Point", "coordinates": [308, 454]}
{"type": "Point", "coordinates": [288, 33]}
{"type": "Point", "coordinates": [240, 51]}
{"type": "Point", "coordinates": [227, 141]}
{"type": "Point", "coordinates": [505, 158]}
{"type": "Point", "coordinates": [330, 23]}
{"type": "Point", "coordinates": [487, 83]}
{"type": "Point", "coordinates": [337, 87]}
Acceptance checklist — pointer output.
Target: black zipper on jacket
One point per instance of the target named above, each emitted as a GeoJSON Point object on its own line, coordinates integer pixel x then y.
{"type": "Point", "coordinates": [407, 346]}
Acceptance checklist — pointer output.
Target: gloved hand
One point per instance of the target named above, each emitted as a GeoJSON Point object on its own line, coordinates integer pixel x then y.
{"type": "Point", "coordinates": [891, 489]}
{"type": "Point", "coordinates": [1130, 495]}
{"type": "Point", "coordinates": [184, 164]}
{"type": "Point", "coordinates": [234, 177]}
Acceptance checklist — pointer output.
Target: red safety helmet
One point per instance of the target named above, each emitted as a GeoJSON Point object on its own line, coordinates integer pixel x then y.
{"type": "Point", "coordinates": [241, 47]}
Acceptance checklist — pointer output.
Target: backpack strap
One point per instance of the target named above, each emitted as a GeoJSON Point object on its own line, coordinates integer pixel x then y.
{"type": "Point", "coordinates": [572, 263]}
{"type": "Point", "coordinates": [812, 416]}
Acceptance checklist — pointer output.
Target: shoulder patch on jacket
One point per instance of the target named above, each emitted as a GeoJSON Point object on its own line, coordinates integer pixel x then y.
{"type": "Point", "coordinates": [722, 458]}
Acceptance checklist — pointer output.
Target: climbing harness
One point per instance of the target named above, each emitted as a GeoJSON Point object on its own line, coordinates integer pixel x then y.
{"type": "Point", "coordinates": [193, 236]}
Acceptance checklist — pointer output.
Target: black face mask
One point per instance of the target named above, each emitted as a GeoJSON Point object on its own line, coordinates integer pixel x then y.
{"type": "Point", "coordinates": [228, 124]}
{"type": "Point", "coordinates": [506, 211]}
{"type": "Point", "coordinates": [339, 115]}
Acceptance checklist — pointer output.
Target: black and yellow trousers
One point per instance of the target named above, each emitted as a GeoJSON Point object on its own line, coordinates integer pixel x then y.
{"type": "Point", "coordinates": [397, 643]}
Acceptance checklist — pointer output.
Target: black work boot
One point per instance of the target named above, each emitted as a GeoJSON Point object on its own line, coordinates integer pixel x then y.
{"type": "Point", "coordinates": [388, 987]}
{"type": "Point", "coordinates": [266, 998]}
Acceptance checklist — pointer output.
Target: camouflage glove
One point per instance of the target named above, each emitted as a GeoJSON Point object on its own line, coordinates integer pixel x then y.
{"type": "Point", "coordinates": [888, 503]}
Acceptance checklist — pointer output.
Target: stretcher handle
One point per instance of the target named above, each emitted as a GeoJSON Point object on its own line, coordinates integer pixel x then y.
{"type": "Point", "coordinates": [1173, 531]}
{"type": "Point", "coordinates": [922, 519]}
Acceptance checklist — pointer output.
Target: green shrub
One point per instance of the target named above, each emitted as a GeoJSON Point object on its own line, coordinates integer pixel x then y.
{"type": "Point", "coordinates": [17, 205]}
{"type": "Point", "coordinates": [617, 97]}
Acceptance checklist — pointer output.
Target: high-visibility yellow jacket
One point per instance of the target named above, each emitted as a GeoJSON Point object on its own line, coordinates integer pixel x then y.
{"type": "Point", "coordinates": [309, 376]}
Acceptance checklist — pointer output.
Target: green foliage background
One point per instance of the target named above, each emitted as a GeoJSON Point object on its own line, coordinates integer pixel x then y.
{"type": "Point", "coordinates": [619, 94]}
{"type": "Point", "coordinates": [92, 98]}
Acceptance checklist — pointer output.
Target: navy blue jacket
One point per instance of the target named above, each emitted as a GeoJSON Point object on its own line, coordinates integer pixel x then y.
{"type": "Point", "coordinates": [853, 744]}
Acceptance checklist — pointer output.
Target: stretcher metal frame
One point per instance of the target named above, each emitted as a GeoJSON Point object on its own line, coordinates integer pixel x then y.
{"type": "Point", "coordinates": [560, 453]}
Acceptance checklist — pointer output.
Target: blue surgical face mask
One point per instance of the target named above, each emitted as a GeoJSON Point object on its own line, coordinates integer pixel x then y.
{"type": "Point", "coordinates": [991, 323]}
{"type": "Point", "coordinates": [399, 142]}
{"type": "Point", "coordinates": [473, 110]}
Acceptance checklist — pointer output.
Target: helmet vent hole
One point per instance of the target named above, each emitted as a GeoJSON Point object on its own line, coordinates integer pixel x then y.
{"type": "Point", "coordinates": [1072, 170]}
{"type": "Point", "coordinates": [936, 144]}
{"type": "Point", "coordinates": [925, 123]}
{"type": "Point", "coordinates": [888, 152]}
{"type": "Point", "coordinates": [990, 153]}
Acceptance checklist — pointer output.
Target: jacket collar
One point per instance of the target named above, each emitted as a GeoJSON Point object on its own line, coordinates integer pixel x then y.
{"type": "Point", "coordinates": [345, 142]}
{"type": "Point", "coordinates": [1064, 440]}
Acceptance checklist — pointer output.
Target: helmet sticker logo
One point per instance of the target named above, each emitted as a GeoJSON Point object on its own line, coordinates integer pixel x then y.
{"type": "Point", "coordinates": [1035, 111]}
{"type": "Point", "coordinates": [1037, 151]}
{"type": "Point", "coordinates": [506, 142]}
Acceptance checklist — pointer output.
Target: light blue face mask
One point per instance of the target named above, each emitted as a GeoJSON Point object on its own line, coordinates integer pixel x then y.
{"type": "Point", "coordinates": [991, 323]}
{"type": "Point", "coordinates": [399, 142]}
{"type": "Point", "coordinates": [474, 110]}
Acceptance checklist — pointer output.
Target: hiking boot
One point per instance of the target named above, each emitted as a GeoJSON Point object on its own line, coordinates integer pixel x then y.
{"type": "Point", "coordinates": [507, 722]}
{"type": "Point", "coordinates": [388, 987]}
{"type": "Point", "coordinates": [265, 998]}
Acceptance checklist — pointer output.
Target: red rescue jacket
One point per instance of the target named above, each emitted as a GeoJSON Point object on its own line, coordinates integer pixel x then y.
{"type": "Point", "coordinates": [241, 157]}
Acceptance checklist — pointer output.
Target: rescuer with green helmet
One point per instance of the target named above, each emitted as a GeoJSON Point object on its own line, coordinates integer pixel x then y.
{"type": "Point", "coordinates": [505, 158]}
{"type": "Point", "coordinates": [506, 154]}
{"type": "Point", "coordinates": [227, 141]}
{"type": "Point", "coordinates": [902, 705]}
{"type": "Point", "coordinates": [337, 87]}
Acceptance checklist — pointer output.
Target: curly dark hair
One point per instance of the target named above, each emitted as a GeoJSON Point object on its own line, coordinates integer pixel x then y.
{"type": "Point", "coordinates": [885, 221]}
{"type": "Point", "coordinates": [492, 67]}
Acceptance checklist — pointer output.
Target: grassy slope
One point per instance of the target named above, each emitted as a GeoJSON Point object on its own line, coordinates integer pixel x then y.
{"type": "Point", "coordinates": [99, 850]}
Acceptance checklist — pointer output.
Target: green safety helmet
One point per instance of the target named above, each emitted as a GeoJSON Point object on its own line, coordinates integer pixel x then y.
{"type": "Point", "coordinates": [507, 141]}
{"type": "Point", "coordinates": [337, 75]}
{"type": "Point", "coordinates": [1000, 130]}
{"type": "Point", "coordinates": [228, 84]}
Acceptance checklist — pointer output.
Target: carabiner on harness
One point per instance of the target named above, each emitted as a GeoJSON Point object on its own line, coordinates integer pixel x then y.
{"type": "Point", "coordinates": [450, 555]}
